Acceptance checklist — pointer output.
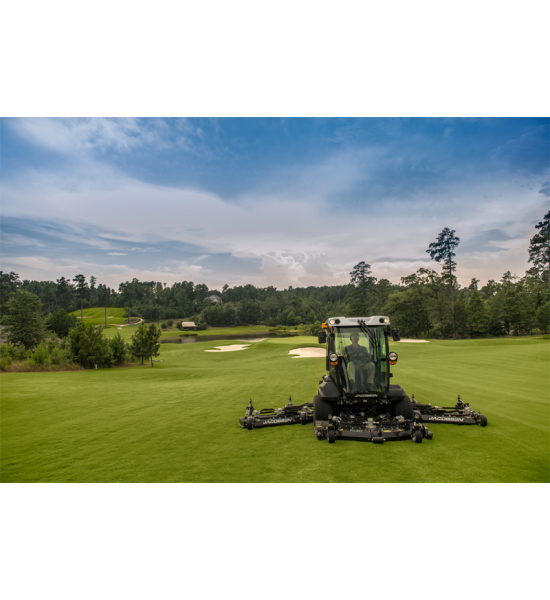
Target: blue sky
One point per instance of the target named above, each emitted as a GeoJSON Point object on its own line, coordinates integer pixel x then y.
{"type": "Point", "coordinates": [268, 201]}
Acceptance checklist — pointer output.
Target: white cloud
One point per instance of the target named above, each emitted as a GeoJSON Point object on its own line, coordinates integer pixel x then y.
{"type": "Point", "coordinates": [300, 236]}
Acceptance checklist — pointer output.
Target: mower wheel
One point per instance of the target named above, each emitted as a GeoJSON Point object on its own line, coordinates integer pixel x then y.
{"type": "Point", "coordinates": [483, 420]}
{"type": "Point", "coordinates": [250, 423]}
{"type": "Point", "coordinates": [417, 436]}
{"type": "Point", "coordinates": [377, 440]}
{"type": "Point", "coordinates": [403, 407]}
{"type": "Point", "coordinates": [429, 434]}
{"type": "Point", "coordinates": [331, 436]}
{"type": "Point", "coordinates": [321, 409]}
{"type": "Point", "coordinates": [303, 418]}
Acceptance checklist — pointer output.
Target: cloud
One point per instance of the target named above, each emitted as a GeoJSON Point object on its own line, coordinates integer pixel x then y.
{"type": "Point", "coordinates": [545, 189]}
{"type": "Point", "coordinates": [117, 253]}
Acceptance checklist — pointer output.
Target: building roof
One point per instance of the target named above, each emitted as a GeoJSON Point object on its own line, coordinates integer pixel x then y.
{"type": "Point", "coordinates": [188, 324]}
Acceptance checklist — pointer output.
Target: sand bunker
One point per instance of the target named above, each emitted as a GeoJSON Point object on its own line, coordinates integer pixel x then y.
{"type": "Point", "coordinates": [308, 352]}
{"type": "Point", "coordinates": [415, 341]}
{"type": "Point", "coordinates": [231, 348]}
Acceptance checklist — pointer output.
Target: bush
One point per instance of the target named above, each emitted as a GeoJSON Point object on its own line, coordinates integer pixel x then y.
{"type": "Point", "coordinates": [40, 356]}
{"type": "Point", "coordinates": [5, 362]}
{"type": "Point", "coordinates": [89, 347]}
{"type": "Point", "coordinates": [170, 322]}
{"type": "Point", "coordinates": [164, 325]}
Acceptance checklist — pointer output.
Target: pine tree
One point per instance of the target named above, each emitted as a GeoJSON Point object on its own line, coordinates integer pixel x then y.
{"type": "Point", "coordinates": [139, 344]}
{"type": "Point", "coordinates": [153, 335]}
{"type": "Point", "coordinates": [539, 248]}
{"type": "Point", "coordinates": [81, 286]}
{"type": "Point", "coordinates": [443, 249]}
{"type": "Point", "coordinates": [360, 296]}
{"type": "Point", "coordinates": [477, 315]}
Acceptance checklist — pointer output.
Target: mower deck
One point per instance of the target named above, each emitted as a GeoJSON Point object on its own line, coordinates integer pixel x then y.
{"type": "Point", "coordinates": [370, 430]}
{"type": "Point", "coordinates": [271, 417]}
{"type": "Point", "coordinates": [460, 414]}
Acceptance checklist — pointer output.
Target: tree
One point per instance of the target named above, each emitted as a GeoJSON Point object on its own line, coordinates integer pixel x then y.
{"type": "Point", "coordinates": [539, 247]}
{"type": "Point", "coordinates": [88, 346]}
{"type": "Point", "coordinates": [407, 311]}
{"type": "Point", "coordinates": [64, 291]}
{"type": "Point", "coordinates": [361, 284]}
{"type": "Point", "coordinates": [542, 317]}
{"type": "Point", "coordinates": [443, 249]}
{"type": "Point", "coordinates": [153, 335]}
{"type": "Point", "coordinates": [477, 315]}
{"type": "Point", "coordinates": [24, 319]}
{"type": "Point", "coordinates": [139, 343]}
{"type": "Point", "coordinates": [60, 322]}
{"type": "Point", "coordinates": [9, 284]}
{"type": "Point", "coordinates": [81, 286]}
{"type": "Point", "coordinates": [118, 349]}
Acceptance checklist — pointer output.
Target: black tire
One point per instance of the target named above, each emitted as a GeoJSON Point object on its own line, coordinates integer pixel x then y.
{"type": "Point", "coordinates": [321, 409]}
{"type": "Point", "coordinates": [331, 436]}
{"type": "Point", "coordinates": [377, 440]}
{"type": "Point", "coordinates": [483, 420]}
{"type": "Point", "coordinates": [417, 436]}
{"type": "Point", "coordinates": [303, 418]}
{"type": "Point", "coordinates": [429, 434]}
{"type": "Point", "coordinates": [403, 407]}
{"type": "Point", "coordinates": [250, 423]}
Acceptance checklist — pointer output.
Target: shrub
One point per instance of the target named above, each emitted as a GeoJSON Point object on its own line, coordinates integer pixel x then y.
{"type": "Point", "coordinates": [40, 356]}
{"type": "Point", "coordinates": [170, 322]}
{"type": "Point", "coordinates": [164, 325]}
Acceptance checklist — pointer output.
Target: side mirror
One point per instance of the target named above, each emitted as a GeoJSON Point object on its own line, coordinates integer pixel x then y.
{"type": "Point", "coordinates": [322, 337]}
{"type": "Point", "coordinates": [395, 334]}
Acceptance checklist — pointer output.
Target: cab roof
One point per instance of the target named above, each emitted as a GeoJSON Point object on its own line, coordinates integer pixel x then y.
{"type": "Point", "coordinates": [352, 322]}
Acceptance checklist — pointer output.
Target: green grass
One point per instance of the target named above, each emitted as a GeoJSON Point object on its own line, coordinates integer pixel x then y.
{"type": "Point", "coordinates": [96, 316]}
{"type": "Point", "coordinates": [178, 421]}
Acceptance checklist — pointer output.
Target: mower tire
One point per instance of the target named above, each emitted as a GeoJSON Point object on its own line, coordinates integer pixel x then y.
{"type": "Point", "coordinates": [483, 420]}
{"type": "Point", "coordinates": [303, 418]}
{"type": "Point", "coordinates": [403, 407]}
{"type": "Point", "coordinates": [417, 436]}
{"type": "Point", "coordinates": [250, 423]}
{"type": "Point", "coordinates": [331, 436]}
{"type": "Point", "coordinates": [321, 409]}
{"type": "Point", "coordinates": [377, 440]}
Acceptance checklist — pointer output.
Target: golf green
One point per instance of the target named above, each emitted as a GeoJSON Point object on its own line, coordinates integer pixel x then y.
{"type": "Point", "coordinates": [178, 421]}
{"type": "Point", "coordinates": [96, 316]}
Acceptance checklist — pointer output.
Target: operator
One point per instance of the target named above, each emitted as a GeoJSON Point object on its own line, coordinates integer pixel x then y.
{"type": "Point", "coordinates": [359, 362]}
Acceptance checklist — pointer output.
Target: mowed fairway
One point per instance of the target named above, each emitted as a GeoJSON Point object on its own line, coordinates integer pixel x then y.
{"type": "Point", "coordinates": [96, 316]}
{"type": "Point", "coordinates": [178, 421]}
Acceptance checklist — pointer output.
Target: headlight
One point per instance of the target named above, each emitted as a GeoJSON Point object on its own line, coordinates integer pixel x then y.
{"type": "Point", "coordinates": [333, 357]}
{"type": "Point", "coordinates": [331, 322]}
{"type": "Point", "coordinates": [393, 357]}
{"type": "Point", "coordinates": [386, 320]}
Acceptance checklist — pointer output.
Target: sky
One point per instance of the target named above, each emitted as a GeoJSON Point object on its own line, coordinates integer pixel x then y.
{"type": "Point", "coordinates": [268, 201]}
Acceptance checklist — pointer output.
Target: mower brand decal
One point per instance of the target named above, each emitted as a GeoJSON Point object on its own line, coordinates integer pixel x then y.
{"type": "Point", "coordinates": [280, 420]}
{"type": "Point", "coordinates": [366, 396]}
{"type": "Point", "coordinates": [445, 419]}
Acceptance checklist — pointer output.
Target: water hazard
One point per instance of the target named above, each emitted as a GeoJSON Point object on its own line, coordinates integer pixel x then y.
{"type": "Point", "coordinates": [188, 339]}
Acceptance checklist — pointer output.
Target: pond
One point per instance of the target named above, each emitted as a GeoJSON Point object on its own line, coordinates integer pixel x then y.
{"type": "Point", "coordinates": [214, 338]}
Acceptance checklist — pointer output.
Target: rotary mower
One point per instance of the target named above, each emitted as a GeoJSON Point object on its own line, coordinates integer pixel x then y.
{"type": "Point", "coordinates": [356, 400]}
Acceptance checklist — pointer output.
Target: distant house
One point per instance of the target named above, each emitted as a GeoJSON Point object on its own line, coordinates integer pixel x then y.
{"type": "Point", "coordinates": [188, 325]}
{"type": "Point", "coordinates": [214, 298]}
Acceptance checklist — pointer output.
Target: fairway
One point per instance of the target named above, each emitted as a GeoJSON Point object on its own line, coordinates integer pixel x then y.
{"type": "Point", "coordinates": [96, 316]}
{"type": "Point", "coordinates": [178, 421]}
